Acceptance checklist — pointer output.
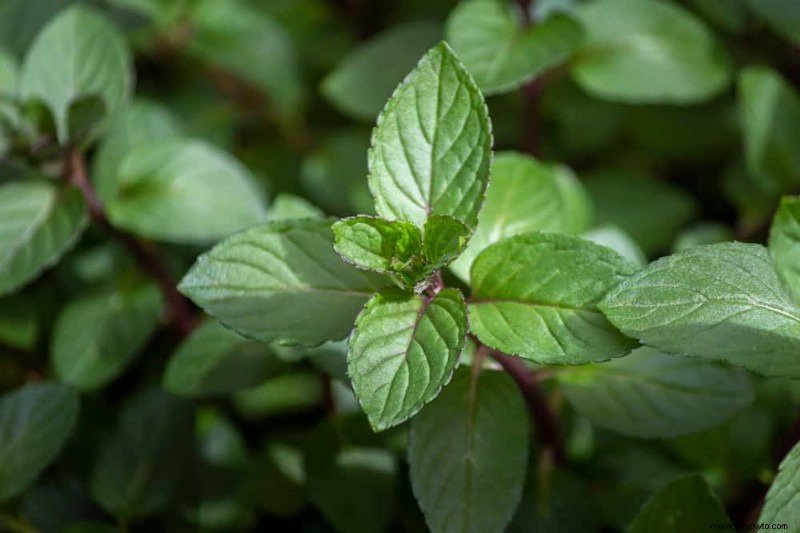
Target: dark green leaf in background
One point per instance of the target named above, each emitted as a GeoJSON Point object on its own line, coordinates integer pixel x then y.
{"type": "Point", "coordinates": [782, 503]}
{"type": "Point", "coordinates": [783, 16]}
{"type": "Point", "coordinates": [141, 464]}
{"type": "Point", "coordinates": [35, 423]}
{"type": "Point", "coordinates": [784, 244]}
{"type": "Point", "coordinates": [499, 51]}
{"type": "Point", "coordinates": [97, 336]}
{"type": "Point", "coordinates": [654, 395]}
{"type": "Point", "coordinates": [468, 452]}
{"type": "Point", "coordinates": [76, 55]}
{"type": "Point", "coordinates": [38, 224]}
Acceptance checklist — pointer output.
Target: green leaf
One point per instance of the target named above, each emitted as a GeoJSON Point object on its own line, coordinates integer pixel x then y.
{"type": "Point", "coordinates": [284, 394]}
{"type": "Point", "coordinates": [21, 20]}
{"type": "Point", "coordinates": [783, 16]}
{"type": "Point", "coordinates": [287, 206]}
{"type": "Point", "coordinates": [215, 361]}
{"type": "Point", "coordinates": [35, 423]}
{"type": "Point", "coordinates": [719, 301]}
{"type": "Point", "coordinates": [377, 244]}
{"type": "Point", "coordinates": [500, 51]}
{"type": "Point", "coordinates": [403, 351]}
{"type": "Point", "coordinates": [360, 85]}
{"type": "Point", "coordinates": [649, 394]}
{"type": "Point", "coordinates": [784, 243]}
{"type": "Point", "coordinates": [431, 148]}
{"type": "Point", "coordinates": [702, 233]}
{"type": "Point", "coordinates": [782, 503]}
{"type": "Point", "coordinates": [184, 191]}
{"type": "Point", "coordinates": [526, 195]}
{"type": "Point", "coordinates": [96, 337]}
{"type": "Point", "coordinates": [140, 465]}
{"type": "Point", "coordinates": [648, 52]}
{"type": "Point", "coordinates": [555, 501]}
{"type": "Point", "coordinates": [619, 241]}
{"type": "Point", "coordinates": [140, 123]}
{"type": "Point", "coordinates": [76, 55]}
{"type": "Point", "coordinates": [245, 40]}
{"type": "Point", "coordinates": [651, 212]}
{"type": "Point", "coordinates": [536, 296]}
{"type": "Point", "coordinates": [281, 281]}
{"type": "Point", "coordinates": [468, 452]}
{"type": "Point", "coordinates": [352, 485]}
{"type": "Point", "coordinates": [275, 481]}
{"type": "Point", "coordinates": [686, 504]}
{"type": "Point", "coordinates": [19, 323]}
{"type": "Point", "coordinates": [444, 240]}
{"type": "Point", "coordinates": [38, 224]}
{"type": "Point", "coordinates": [770, 115]}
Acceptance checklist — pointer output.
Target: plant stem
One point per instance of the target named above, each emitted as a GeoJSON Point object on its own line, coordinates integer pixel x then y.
{"type": "Point", "coordinates": [181, 316]}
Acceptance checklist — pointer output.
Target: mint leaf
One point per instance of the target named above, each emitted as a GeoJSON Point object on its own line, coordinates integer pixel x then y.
{"type": "Point", "coordinates": [431, 148]}
{"type": "Point", "coordinates": [720, 301]}
{"type": "Point", "coordinates": [377, 244]}
{"type": "Point", "coordinates": [686, 504]}
{"type": "Point", "coordinates": [770, 113]}
{"type": "Point", "coordinates": [444, 240]}
{"type": "Point", "coordinates": [281, 281]}
{"type": "Point", "coordinates": [76, 55]}
{"type": "Point", "coordinates": [287, 206]}
{"type": "Point", "coordinates": [164, 190]}
{"type": "Point", "coordinates": [500, 52]}
{"type": "Point", "coordinates": [97, 336]}
{"type": "Point", "coordinates": [142, 122]}
{"type": "Point", "coordinates": [362, 82]}
{"type": "Point", "coordinates": [648, 52]}
{"type": "Point", "coordinates": [403, 351]}
{"type": "Point", "coordinates": [35, 423]}
{"type": "Point", "coordinates": [38, 224]}
{"type": "Point", "coordinates": [526, 195]}
{"type": "Point", "coordinates": [536, 296]}
{"type": "Point", "coordinates": [140, 465]}
{"type": "Point", "coordinates": [649, 394]}
{"type": "Point", "coordinates": [215, 361]}
{"type": "Point", "coordinates": [784, 243]}
{"type": "Point", "coordinates": [782, 503]}
{"type": "Point", "coordinates": [468, 452]}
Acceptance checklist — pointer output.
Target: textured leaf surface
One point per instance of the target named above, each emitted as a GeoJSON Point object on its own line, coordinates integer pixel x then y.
{"type": "Point", "coordinates": [184, 191]}
{"type": "Point", "coordinates": [686, 504]}
{"type": "Point", "coordinates": [654, 395]}
{"type": "Point", "coordinates": [526, 195]}
{"type": "Point", "coordinates": [536, 295]}
{"type": "Point", "coordinates": [76, 55]}
{"type": "Point", "coordinates": [431, 148]}
{"type": "Point", "coordinates": [38, 224]}
{"type": "Point", "coordinates": [140, 465]}
{"type": "Point", "coordinates": [35, 423]}
{"type": "Point", "coordinates": [215, 361]}
{"type": "Point", "coordinates": [770, 113]}
{"type": "Point", "coordinates": [720, 301]}
{"type": "Point", "coordinates": [648, 51]}
{"type": "Point", "coordinates": [376, 244]}
{"type": "Point", "coordinates": [281, 281]}
{"type": "Point", "coordinates": [502, 54]}
{"type": "Point", "coordinates": [468, 452]}
{"type": "Point", "coordinates": [403, 350]}
{"type": "Point", "coordinates": [784, 244]}
{"type": "Point", "coordinates": [96, 337]}
{"type": "Point", "coordinates": [365, 79]}
{"type": "Point", "coordinates": [445, 239]}
{"type": "Point", "coordinates": [782, 503]}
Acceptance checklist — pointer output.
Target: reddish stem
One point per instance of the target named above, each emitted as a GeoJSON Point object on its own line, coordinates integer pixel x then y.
{"type": "Point", "coordinates": [181, 316]}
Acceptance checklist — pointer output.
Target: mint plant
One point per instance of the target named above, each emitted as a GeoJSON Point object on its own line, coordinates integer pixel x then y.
{"type": "Point", "coordinates": [399, 266]}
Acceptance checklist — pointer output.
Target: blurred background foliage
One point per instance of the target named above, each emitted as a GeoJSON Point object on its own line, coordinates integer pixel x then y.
{"type": "Point", "coordinates": [280, 96]}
